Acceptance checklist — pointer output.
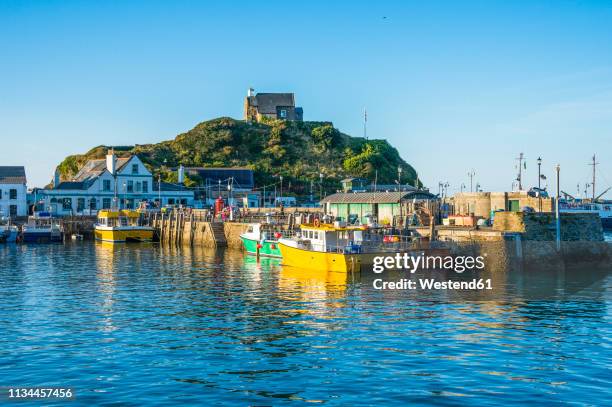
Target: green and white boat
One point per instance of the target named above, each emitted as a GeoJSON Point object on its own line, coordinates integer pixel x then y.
{"type": "Point", "coordinates": [261, 239]}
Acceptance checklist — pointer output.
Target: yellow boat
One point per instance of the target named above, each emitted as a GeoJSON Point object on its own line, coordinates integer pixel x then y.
{"type": "Point", "coordinates": [343, 248]}
{"type": "Point", "coordinates": [119, 226]}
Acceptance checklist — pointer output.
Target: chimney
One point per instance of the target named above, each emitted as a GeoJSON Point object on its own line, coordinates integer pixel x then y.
{"type": "Point", "coordinates": [56, 178]}
{"type": "Point", "coordinates": [181, 174]}
{"type": "Point", "coordinates": [111, 162]}
{"type": "Point", "coordinates": [251, 92]}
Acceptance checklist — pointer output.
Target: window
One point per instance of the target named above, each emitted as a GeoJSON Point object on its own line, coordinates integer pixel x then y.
{"type": "Point", "coordinates": [283, 113]}
{"type": "Point", "coordinates": [13, 194]}
{"type": "Point", "coordinates": [80, 204]}
{"type": "Point", "coordinates": [106, 203]}
{"type": "Point", "coordinates": [145, 186]}
{"type": "Point", "coordinates": [183, 201]}
{"type": "Point", "coordinates": [67, 204]}
{"type": "Point", "coordinates": [170, 201]}
{"type": "Point", "coordinates": [13, 210]}
{"type": "Point", "coordinates": [0, 194]}
{"type": "Point", "coordinates": [106, 185]}
{"type": "Point", "coordinates": [134, 168]}
{"type": "Point", "coordinates": [138, 186]}
{"type": "Point", "coordinates": [130, 186]}
{"type": "Point", "coordinates": [92, 204]}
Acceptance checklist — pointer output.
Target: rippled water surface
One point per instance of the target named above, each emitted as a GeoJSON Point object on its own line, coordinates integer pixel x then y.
{"type": "Point", "coordinates": [145, 325]}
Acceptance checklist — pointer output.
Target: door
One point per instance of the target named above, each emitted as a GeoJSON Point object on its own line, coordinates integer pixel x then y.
{"type": "Point", "coordinates": [514, 206]}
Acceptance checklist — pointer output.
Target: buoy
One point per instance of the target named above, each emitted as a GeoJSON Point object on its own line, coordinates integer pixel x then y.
{"type": "Point", "coordinates": [273, 246]}
{"type": "Point", "coordinates": [259, 246]}
{"type": "Point", "coordinates": [278, 235]}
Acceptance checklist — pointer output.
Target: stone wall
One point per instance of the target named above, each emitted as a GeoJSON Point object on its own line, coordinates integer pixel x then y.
{"type": "Point", "coordinates": [232, 234]}
{"type": "Point", "coordinates": [584, 227]}
{"type": "Point", "coordinates": [482, 203]}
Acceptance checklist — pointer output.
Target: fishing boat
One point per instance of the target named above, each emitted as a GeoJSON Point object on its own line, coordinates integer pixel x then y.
{"type": "Point", "coordinates": [261, 239]}
{"type": "Point", "coordinates": [42, 228]}
{"type": "Point", "coordinates": [602, 209]}
{"type": "Point", "coordinates": [8, 231]}
{"type": "Point", "coordinates": [344, 248]}
{"type": "Point", "coordinates": [118, 226]}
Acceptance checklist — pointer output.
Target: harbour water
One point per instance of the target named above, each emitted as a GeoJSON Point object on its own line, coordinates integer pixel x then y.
{"type": "Point", "coordinates": [141, 324]}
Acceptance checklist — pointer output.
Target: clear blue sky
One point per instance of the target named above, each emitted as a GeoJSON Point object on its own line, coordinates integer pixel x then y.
{"type": "Point", "coordinates": [454, 85]}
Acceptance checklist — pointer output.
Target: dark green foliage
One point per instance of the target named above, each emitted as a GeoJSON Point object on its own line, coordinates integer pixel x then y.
{"type": "Point", "coordinates": [297, 150]}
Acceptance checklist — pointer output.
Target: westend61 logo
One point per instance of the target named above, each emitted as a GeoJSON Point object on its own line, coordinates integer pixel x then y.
{"type": "Point", "coordinates": [411, 263]}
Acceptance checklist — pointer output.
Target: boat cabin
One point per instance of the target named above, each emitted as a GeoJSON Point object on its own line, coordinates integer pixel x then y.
{"type": "Point", "coordinates": [118, 218]}
{"type": "Point", "coordinates": [331, 237]}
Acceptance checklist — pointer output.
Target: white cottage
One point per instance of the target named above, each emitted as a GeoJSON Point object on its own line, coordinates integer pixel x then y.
{"type": "Point", "coordinates": [94, 186]}
{"type": "Point", "coordinates": [13, 192]}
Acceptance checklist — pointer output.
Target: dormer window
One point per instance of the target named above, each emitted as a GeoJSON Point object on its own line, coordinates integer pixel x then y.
{"type": "Point", "coordinates": [283, 114]}
{"type": "Point", "coordinates": [134, 168]}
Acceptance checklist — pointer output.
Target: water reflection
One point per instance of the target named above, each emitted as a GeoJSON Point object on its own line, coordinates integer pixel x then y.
{"type": "Point", "coordinates": [145, 324]}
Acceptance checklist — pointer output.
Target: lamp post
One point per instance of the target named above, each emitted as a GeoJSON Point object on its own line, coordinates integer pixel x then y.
{"type": "Point", "coordinates": [462, 187]}
{"type": "Point", "coordinates": [539, 170]}
{"type": "Point", "coordinates": [539, 184]}
{"type": "Point", "coordinates": [281, 187]}
{"type": "Point", "coordinates": [399, 178]}
{"type": "Point", "coordinates": [320, 186]}
{"type": "Point", "coordinates": [159, 202]}
{"type": "Point", "coordinates": [124, 194]}
{"type": "Point", "coordinates": [558, 220]}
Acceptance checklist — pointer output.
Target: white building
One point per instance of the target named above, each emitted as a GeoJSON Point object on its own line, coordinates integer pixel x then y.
{"type": "Point", "coordinates": [94, 186]}
{"type": "Point", "coordinates": [13, 192]}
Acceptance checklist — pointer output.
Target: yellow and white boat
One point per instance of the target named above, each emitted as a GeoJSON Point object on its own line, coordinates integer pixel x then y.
{"type": "Point", "coordinates": [341, 248]}
{"type": "Point", "coordinates": [119, 226]}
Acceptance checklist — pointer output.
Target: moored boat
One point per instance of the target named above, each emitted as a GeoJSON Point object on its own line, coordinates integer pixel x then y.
{"type": "Point", "coordinates": [261, 239]}
{"type": "Point", "coordinates": [343, 248]}
{"type": "Point", "coordinates": [118, 226]}
{"type": "Point", "coordinates": [8, 231]}
{"type": "Point", "coordinates": [42, 228]}
{"type": "Point", "coordinates": [602, 209]}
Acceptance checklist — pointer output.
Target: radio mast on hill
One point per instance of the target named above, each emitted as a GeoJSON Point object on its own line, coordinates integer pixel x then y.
{"type": "Point", "coordinates": [365, 123]}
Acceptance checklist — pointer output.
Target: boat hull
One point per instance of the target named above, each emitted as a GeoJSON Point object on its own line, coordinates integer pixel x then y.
{"type": "Point", "coordinates": [269, 248]}
{"type": "Point", "coordinates": [339, 262]}
{"type": "Point", "coordinates": [10, 236]}
{"type": "Point", "coordinates": [41, 237]}
{"type": "Point", "coordinates": [606, 223]}
{"type": "Point", "coordinates": [119, 235]}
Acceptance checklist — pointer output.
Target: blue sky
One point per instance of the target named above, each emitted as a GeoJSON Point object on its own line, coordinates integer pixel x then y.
{"type": "Point", "coordinates": [453, 85]}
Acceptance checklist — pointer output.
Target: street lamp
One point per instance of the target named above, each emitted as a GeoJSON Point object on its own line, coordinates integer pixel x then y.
{"type": "Point", "coordinates": [320, 185]}
{"type": "Point", "coordinates": [539, 187]}
{"type": "Point", "coordinates": [539, 171]}
{"type": "Point", "coordinates": [399, 177]}
{"type": "Point", "coordinates": [281, 187]}
{"type": "Point", "coordinates": [124, 194]}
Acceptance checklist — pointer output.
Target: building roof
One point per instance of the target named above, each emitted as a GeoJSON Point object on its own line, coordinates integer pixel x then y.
{"type": "Point", "coordinates": [375, 197]}
{"type": "Point", "coordinates": [95, 168]}
{"type": "Point", "coordinates": [12, 175]}
{"type": "Point", "coordinates": [166, 186]}
{"type": "Point", "coordinates": [71, 185]}
{"type": "Point", "coordinates": [266, 103]}
{"type": "Point", "coordinates": [243, 177]}
{"type": "Point", "coordinates": [354, 179]}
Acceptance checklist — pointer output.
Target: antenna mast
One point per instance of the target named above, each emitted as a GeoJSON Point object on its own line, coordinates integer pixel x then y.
{"type": "Point", "coordinates": [520, 159]}
{"type": "Point", "coordinates": [594, 164]}
{"type": "Point", "coordinates": [365, 123]}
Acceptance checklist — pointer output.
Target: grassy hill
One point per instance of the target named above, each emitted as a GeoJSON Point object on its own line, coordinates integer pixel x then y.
{"type": "Point", "coordinates": [298, 151]}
